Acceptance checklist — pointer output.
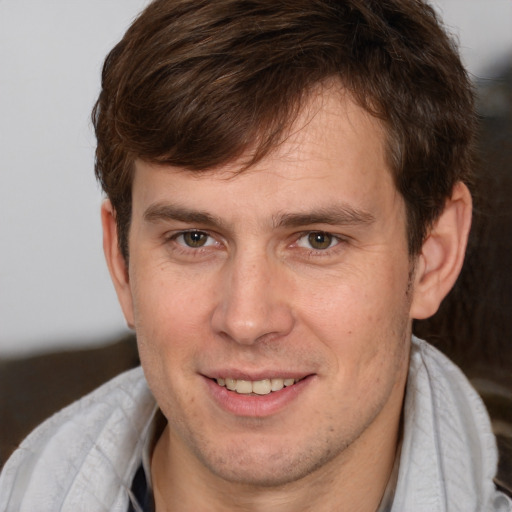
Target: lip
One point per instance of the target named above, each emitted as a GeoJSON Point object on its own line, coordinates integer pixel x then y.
{"type": "Point", "coordinates": [256, 406]}
{"type": "Point", "coordinates": [254, 375]}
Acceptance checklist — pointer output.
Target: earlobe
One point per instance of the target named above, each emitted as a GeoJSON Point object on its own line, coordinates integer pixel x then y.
{"type": "Point", "coordinates": [116, 262]}
{"type": "Point", "coordinates": [442, 254]}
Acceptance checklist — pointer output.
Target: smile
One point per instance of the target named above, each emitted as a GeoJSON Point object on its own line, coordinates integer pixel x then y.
{"type": "Point", "coordinates": [257, 387]}
{"type": "Point", "coordinates": [258, 397]}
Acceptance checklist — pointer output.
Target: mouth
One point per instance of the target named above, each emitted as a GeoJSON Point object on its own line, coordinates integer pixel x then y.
{"type": "Point", "coordinates": [265, 396]}
{"type": "Point", "coordinates": [256, 387]}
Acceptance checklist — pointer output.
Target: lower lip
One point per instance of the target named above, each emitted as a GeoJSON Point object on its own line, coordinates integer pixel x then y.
{"type": "Point", "coordinates": [255, 406]}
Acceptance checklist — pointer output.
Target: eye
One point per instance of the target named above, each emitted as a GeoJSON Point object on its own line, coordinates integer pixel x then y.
{"type": "Point", "coordinates": [317, 240]}
{"type": "Point", "coordinates": [194, 239]}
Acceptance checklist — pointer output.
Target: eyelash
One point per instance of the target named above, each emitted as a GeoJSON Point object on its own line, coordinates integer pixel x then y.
{"type": "Point", "coordinates": [182, 246]}
{"type": "Point", "coordinates": [335, 244]}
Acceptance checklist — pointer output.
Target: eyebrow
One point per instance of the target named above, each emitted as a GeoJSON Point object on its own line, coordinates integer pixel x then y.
{"type": "Point", "coordinates": [158, 212]}
{"type": "Point", "coordinates": [338, 214]}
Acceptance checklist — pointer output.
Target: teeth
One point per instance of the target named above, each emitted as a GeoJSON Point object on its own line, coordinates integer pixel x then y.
{"type": "Point", "coordinates": [230, 384]}
{"type": "Point", "coordinates": [258, 387]}
{"type": "Point", "coordinates": [244, 387]}
{"type": "Point", "coordinates": [261, 387]}
{"type": "Point", "coordinates": [277, 384]}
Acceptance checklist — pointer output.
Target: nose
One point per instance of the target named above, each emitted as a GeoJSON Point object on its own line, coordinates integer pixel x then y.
{"type": "Point", "coordinates": [253, 301]}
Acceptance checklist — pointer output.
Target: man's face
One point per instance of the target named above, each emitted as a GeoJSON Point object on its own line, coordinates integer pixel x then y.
{"type": "Point", "coordinates": [294, 271]}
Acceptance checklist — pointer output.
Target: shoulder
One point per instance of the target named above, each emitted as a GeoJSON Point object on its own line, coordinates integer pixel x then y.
{"type": "Point", "coordinates": [83, 454]}
{"type": "Point", "coordinates": [456, 397]}
{"type": "Point", "coordinates": [446, 428]}
{"type": "Point", "coordinates": [447, 385]}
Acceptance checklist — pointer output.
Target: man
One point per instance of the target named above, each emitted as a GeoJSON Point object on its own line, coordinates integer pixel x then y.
{"type": "Point", "coordinates": [287, 191]}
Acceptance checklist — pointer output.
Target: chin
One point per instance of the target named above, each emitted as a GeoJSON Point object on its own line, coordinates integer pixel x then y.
{"type": "Point", "coordinates": [266, 465]}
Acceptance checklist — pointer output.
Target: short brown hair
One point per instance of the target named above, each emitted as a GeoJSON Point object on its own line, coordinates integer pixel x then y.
{"type": "Point", "coordinates": [199, 83]}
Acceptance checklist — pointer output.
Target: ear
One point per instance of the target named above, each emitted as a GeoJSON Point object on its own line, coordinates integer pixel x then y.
{"type": "Point", "coordinates": [442, 254]}
{"type": "Point", "coordinates": [115, 261]}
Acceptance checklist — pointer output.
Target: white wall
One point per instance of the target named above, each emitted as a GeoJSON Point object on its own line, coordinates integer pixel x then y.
{"type": "Point", "coordinates": [54, 287]}
{"type": "Point", "coordinates": [484, 30]}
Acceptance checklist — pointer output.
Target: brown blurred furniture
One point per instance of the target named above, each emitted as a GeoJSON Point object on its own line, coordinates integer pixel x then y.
{"type": "Point", "coordinates": [33, 388]}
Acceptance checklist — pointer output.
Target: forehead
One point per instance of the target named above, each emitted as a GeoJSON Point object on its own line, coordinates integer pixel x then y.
{"type": "Point", "coordinates": [333, 151]}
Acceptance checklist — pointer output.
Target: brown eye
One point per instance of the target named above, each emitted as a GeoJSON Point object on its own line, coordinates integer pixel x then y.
{"type": "Point", "coordinates": [195, 238]}
{"type": "Point", "coordinates": [320, 240]}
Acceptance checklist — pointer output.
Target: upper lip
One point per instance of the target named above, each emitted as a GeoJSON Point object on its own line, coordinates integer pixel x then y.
{"type": "Point", "coordinates": [237, 374]}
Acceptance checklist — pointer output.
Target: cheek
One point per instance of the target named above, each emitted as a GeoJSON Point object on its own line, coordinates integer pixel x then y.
{"type": "Point", "coordinates": [362, 318]}
{"type": "Point", "coordinates": [170, 321]}
{"type": "Point", "coordinates": [168, 338]}
{"type": "Point", "coordinates": [166, 299]}
{"type": "Point", "coordinates": [351, 305]}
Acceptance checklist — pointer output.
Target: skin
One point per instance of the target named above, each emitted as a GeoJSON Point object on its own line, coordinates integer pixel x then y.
{"type": "Point", "coordinates": [252, 292]}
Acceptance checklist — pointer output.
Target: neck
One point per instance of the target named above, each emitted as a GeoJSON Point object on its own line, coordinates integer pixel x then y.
{"type": "Point", "coordinates": [354, 480]}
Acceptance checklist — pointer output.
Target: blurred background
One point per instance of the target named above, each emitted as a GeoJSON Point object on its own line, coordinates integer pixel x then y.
{"type": "Point", "coordinates": [54, 286]}
{"type": "Point", "coordinates": [61, 329]}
